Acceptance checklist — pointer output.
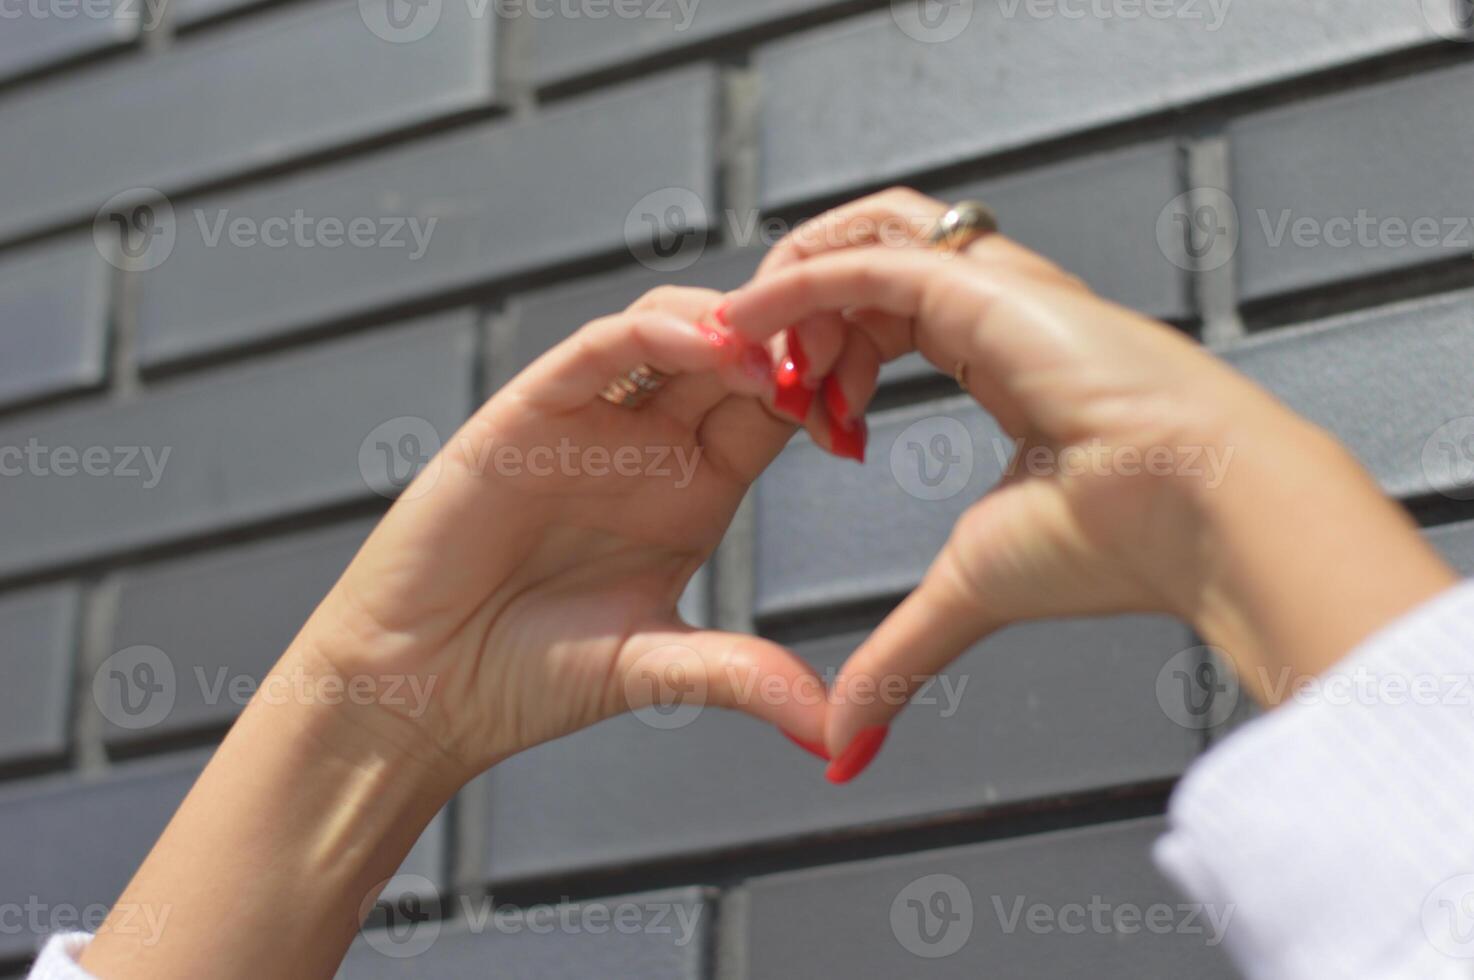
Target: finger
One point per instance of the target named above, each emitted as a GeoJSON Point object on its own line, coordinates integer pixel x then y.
{"type": "Point", "coordinates": [846, 391]}
{"type": "Point", "coordinates": [897, 216]}
{"type": "Point", "coordinates": [931, 627]}
{"type": "Point", "coordinates": [805, 353]}
{"type": "Point", "coordinates": [740, 436]}
{"type": "Point", "coordinates": [679, 672]}
{"type": "Point", "coordinates": [576, 371]}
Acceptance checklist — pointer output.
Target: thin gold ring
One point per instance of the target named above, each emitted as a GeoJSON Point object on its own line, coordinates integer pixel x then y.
{"type": "Point", "coordinates": [634, 388]}
{"type": "Point", "coordinates": [964, 223]}
{"type": "Point", "coordinates": [959, 374]}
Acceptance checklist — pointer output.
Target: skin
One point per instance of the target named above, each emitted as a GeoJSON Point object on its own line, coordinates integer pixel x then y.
{"type": "Point", "coordinates": [539, 604]}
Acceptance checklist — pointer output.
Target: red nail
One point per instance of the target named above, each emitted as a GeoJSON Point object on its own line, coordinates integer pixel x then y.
{"type": "Point", "coordinates": [720, 313]}
{"type": "Point", "coordinates": [853, 760]}
{"type": "Point", "coordinates": [835, 403]}
{"type": "Point", "coordinates": [813, 748]}
{"type": "Point", "coordinates": [796, 356]}
{"type": "Point", "coordinates": [792, 398]}
{"type": "Point", "coordinates": [717, 339]}
{"type": "Point", "coordinates": [847, 439]}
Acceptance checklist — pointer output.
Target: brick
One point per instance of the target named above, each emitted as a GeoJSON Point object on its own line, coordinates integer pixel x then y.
{"type": "Point", "coordinates": [53, 320]}
{"type": "Point", "coordinates": [181, 119]}
{"type": "Point", "coordinates": [551, 201]}
{"type": "Point", "coordinates": [30, 42]}
{"type": "Point", "coordinates": [653, 935]}
{"type": "Point", "coordinates": [1376, 176]}
{"type": "Point", "coordinates": [809, 506]}
{"type": "Point", "coordinates": [858, 920]}
{"type": "Point", "coordinates": [187, 13]}
{"type": "Point", "coordinates": [1097, 217]}
{"type": "Point", "coordinates": [566, 46]}
{"type": "Point", "coordinates": [223, 619]}
{"type": "Point", "coordinates": [1390, 383]}
{"type": "Point", "coordinates": [1010, 81]}
{"type": "Point", "coordinates": [1084, 691]}
{"type": "Point", "coordinates": [277, 436]}
{"type": "Point", "coordinates": [74, 862]}
{"type": "Point", "coordinates": [38, 646]}
{"type": "Point", "coordinates": [1456, 543]}
{"type": "Point", "coordinates": [546, 317]}
{"type": "Point", "coordinates": [68, 857]}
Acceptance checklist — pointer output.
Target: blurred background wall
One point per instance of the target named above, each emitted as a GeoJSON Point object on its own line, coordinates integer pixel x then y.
{"type": "Point", "coordinates": [256, 260]}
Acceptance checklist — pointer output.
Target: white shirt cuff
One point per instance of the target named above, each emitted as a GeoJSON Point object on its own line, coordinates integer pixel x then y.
{"type": "Point", "coordinates": [58, 959]}
{"type": "Point", "coordinates": [1337, 831]}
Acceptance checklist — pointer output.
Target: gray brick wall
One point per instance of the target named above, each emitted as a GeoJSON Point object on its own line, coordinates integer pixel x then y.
{"type": "Point", "coordinates": [353, 219]}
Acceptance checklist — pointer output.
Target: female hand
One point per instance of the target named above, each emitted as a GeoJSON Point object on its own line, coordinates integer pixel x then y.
{"type": "Point", "coordinates": [1108, 506]}
{"type": "Point", "coordinates": [532, 570]}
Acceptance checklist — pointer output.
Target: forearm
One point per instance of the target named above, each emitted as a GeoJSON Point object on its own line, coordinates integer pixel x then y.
{"type": "Point", "coordinates": [1302, 555]}
{"type": "Point", "coordinates": [303, 809]}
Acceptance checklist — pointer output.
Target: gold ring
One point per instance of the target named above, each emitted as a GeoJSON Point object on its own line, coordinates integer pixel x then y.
{"type": "Point", "coordinates": [959, 374]}
{"type": "Point", "coordinates": [964, 223]}
{"type": "Point", "coordinates": [633, 389]}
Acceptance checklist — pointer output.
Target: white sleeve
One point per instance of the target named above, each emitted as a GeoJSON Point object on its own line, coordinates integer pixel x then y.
{"type": "Point", "coordinates": [1338, 829]}
{"type": "Point", "coordinates": [58, 959]}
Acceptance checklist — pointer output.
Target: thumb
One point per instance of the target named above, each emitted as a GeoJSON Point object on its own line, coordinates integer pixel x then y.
{"type": "Point", "coordinates": [671, 674]}
{"type": "Point", "coordinates": [932, 626]}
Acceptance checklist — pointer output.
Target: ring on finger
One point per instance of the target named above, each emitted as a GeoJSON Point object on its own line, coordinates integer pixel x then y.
{"type": "Point", "coordinates": [635, 387]}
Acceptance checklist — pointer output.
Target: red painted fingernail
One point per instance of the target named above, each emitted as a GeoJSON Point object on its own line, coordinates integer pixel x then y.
{"type": "Point", "coordinates": [717, 339]}
{"type": "Point", "coordinates": [720, 313]}
{"type": "Point", "coordinates": [853, 760]}
{"type": "Point", "coordinates": [813, 748]}
{"type": "Point", "coordinates": [792, 398]}
{"type": "Point", "coordinates": [797, 359]}
{"type": "Point", "coordinates": [835, 403]}
{"type": "Point", "coordinates": [847, 439]}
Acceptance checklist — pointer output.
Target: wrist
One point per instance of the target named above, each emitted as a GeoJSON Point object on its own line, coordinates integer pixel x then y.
{"type": "Point", "coordinates": [1301, 555]}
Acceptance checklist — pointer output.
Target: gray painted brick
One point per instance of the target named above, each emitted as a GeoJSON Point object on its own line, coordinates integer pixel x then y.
{"type": "Point", "coordinates": [277, 436]}
{"type": "Point", "coordinates": [1385, 381]}
{"type": "Point", "coordinates": [546, 317]}
{"type": "Point", "coordinates": [811, 549]}
{"type": "Point", "coordinates": [29, 42]}
{"type": "Point", "coordinates": [225, 617]}
{"type": "Point", "coordinates": [1392, 156]}
{"type": "Point", "coordinates": [67, 856]}
{"type": "Point", "coordinates": [568, 46]}
{"type": "Point", "coordinates": [1097, 217]}
{"type": "Point", "coordinates": [1084, 691]}
{"type": "Point", "coordinates": [76, 862]}
{"type": "Point", "coordinates": [1456, 543]}
{"type": "Point", "coordinates": [551, 201]}
{"type": "Point", "coordinates": [857, 920]}
{"type": "Point", "coordinates": [1006, 82]}
{"type": "Point", "coordinates": [293, 81]}
{"type": "Point", "coordinates": [653, 935]}
{"type": "Point", "coordinates": [187, 13]}
{"type": "Point", "coordinates": [53, 319]}
{"type": "Point", "coordinates": [38, 646]}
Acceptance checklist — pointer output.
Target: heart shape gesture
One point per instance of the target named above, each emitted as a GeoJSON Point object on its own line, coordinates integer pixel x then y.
{"type": "Point", "coordinates": [527, 580]}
